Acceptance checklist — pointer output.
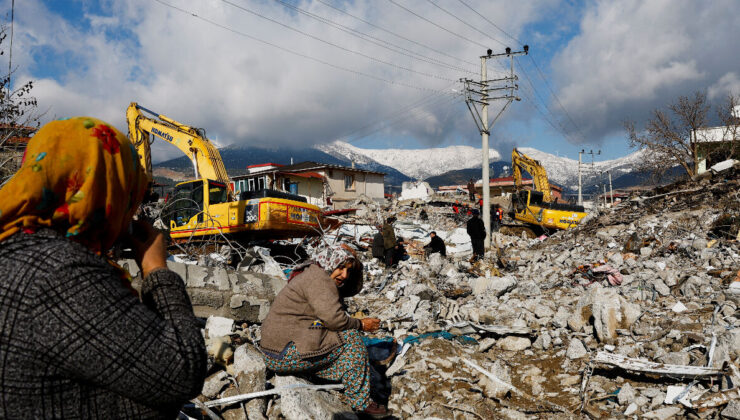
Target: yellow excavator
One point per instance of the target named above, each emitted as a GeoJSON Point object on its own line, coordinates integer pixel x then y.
{"type": "Point", "coordinates": [206, 206]}
{"type": "Point", "coordinates": [535, 206]}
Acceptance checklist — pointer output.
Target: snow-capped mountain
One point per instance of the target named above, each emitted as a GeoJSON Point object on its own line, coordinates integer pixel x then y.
{"type": "Point", "coordinates": [426, 163]}
{"type": "Point", "coordinates": [415, 163]}
{"type": "Point", "coordinates": [564, 171]}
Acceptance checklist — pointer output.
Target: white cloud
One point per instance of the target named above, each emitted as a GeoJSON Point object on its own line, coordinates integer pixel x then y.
{"type": "Point", "coordinates": [244, 91]}
{"type": "Point", "coordinates": [632, 56]}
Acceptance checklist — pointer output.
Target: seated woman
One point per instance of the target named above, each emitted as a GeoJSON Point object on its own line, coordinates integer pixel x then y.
{"type": "Point", "coordinates": [74, 340]}
{"type": "Point", "coordinates": [308, 331]}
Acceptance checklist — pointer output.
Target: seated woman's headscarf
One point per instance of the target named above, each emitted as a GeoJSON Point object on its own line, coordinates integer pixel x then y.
{"type": "Point", "coordinates": [80, 177]}
{"type": "Point", "coordinates": [331, 257]}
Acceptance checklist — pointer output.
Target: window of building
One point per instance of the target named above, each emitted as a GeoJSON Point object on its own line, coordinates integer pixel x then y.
{"type": "Point", "coordinates": [349, 182]}
{"type": "Point", "coordinates": [250, 187]}
{"type": "Point", "coordinates": [261, 183]}
{"type": "Point", "coordinates": [241, 185]}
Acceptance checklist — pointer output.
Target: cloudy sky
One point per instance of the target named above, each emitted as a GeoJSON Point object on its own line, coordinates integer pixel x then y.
{"type": "Point", "coordinates": [381, 73]}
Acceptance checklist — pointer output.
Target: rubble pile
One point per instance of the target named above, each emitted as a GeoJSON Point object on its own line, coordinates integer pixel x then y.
{"type": "Point", "coordinates": [632, 314]}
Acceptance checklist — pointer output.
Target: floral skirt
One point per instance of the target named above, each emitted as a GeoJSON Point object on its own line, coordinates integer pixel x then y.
{"type": "Point", "coordinates": [347, 363]}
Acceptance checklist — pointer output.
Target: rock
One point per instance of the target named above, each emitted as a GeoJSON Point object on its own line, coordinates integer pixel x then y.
{"type": "Point", "coordinates": [219, 348]}
{"type": "Point", "coordinates": [732, 411]}
{"type": "Point", "coordinates": [560, 319]}
{"type": "Point", "coordinates": [218, 326]}
{"type": "Point", "coordinates": [631, 409]}
{"type": "Point", "coordinates": [609, 310]}
{"type": "Point", "coordinates": [497, 286]}
{"type": "Point", "coordinates": [308, 405]}
{"type": "Point", "coordinates": [663, 413]}
{"type": "Point", "coordinates": [250, 372]}
{"type": "Point", "coordinates": [646, 251]}
{"type": "Point", "coordinates": [486, 344]}
{"type": "Point", "coordinates": [493, 389]}
{"type": "Point", "coordinates": [214, 384]}
{"type": "Point", "coordinates": [513, 343]}
{"type": "Point", "coordinates": [676, 358]}
{"type": "Point", "coordinates": [576, 349]}
{"type": "Point", "coordinates": [543, 342]}
{"type": "Point", "coordinates": [626, 394]}
{"type": "Point", "coordinates": [661, 287]}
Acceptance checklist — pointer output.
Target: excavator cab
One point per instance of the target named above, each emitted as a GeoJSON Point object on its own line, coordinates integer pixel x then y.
{"type": "Point", "coordinates": [188, 200]}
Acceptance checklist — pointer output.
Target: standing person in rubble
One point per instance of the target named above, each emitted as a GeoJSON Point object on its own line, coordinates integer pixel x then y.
{"type": "Point", "coordinates": [389, 242]}
{"type": "Point", "coordinates": [436, 244]}
{"type": "Point", "coordinates": [477, 232]}
{"type": "Point", "coordinates": [496, 219]}
{"type": "Point", "coordinates": [471, 190]}
{"type": "Point", "coordinates": [75, 340]}
{"type": "Point", "coordinates": [308, 331]}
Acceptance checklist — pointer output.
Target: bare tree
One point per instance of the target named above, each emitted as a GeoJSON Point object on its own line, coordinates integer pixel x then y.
{"type": "Point", "coordinates": [670, 136]}
{"type": "Point", "coordinates": [18, 116]}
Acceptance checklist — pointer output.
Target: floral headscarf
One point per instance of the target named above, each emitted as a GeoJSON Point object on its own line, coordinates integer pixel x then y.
{"type": "Point", "coordinates": [80, 177]}
{"type": "Point", "coordinates": [332, 257]}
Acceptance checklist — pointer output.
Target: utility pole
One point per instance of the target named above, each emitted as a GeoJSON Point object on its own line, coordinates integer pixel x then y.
{"type": "Point", "coordinates": [611, 192]}
{"type": "Point", "coordinates": [604, 185]}
{"type": "Point", "coordinates": [477, 93]}
{"type": "Point", "coordinates": [580, 188]}
{"type": "Point", "coordinates": [591, 152]}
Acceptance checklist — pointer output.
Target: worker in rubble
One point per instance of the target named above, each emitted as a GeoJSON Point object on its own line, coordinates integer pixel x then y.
{"type": "Point", "coordinates": [378, 248]}
{"type": "Point", "coordinates": [496, 219]}
{"type": "Point", "coordinates": [471, 190]}
{"type": "Point", "coordinates": [400, 253]}
{"type": "Point", "coordinates": [76, 338]}
{"type": "Point", "coordinates": [308, 331]}
{"type": "Point", "coordinates": [423, 216]}
{"type": "Point", "coordinates": [436, 244]}
{"type": "Point", "coordinates": [389, 242]}
{"type": "Point", "coordinates": [477, 232]}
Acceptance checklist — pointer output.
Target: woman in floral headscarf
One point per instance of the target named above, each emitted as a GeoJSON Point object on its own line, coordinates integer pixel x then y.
{"type": "Point", "coordinates": [307, 329]}
{"type": "Point", "coordinates": [74, 340]}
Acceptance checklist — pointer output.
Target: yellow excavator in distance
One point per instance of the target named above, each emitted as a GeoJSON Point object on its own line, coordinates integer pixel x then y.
{"type": "Point", "coordinates": [206, 206]}
{"type": "Point", "coordinates": [536, 206]}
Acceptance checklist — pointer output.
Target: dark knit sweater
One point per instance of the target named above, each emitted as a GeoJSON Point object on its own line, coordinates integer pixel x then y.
{"type": "Point", "coordinates": [75, 342]}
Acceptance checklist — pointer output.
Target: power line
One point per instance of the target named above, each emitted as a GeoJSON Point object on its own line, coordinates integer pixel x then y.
{"type": "Point", "coordinates": [438, 102]}
{"type": "Point", "coordinates": [494, 25]}
{"type": "Point", "coordinates": [466, 23]}
{"type": "Point", "coordinates": [557, 99]}
{"type": "Point", "coordinates": [439, 26]}
{"type": "Point", "coordinates": [421, 73]}
{"type": "Point", "coordinates": [395, 34]}
{"type": "Point", "coordinates": [373, 39]}
{"type": "Point", "coordinates": [541, 74]}
{"type": "Point", "coordinates": [308, 57]}
{"type": "Point", "coordinates": [423, 101]}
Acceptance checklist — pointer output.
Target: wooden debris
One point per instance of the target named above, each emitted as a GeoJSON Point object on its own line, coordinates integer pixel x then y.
{"type": "Point", "coordinates": [636, 365]}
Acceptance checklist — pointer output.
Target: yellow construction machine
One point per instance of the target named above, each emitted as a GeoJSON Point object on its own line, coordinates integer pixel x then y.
{"type": "Point", "coordinates": [535, 206]}
{"type": "Point", "coordinates": [206, 206]}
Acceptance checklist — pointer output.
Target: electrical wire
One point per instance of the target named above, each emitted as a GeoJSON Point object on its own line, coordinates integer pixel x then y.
{"type": "Point", "coordinates": [418, 103]}
{"type": "Point", "coordinates": [374, 40]}
{"type": "Point", "coordinates": [327, 4]}
{"type": "Point", "coordinates": [308, 57]}
{"type": "Point", "coordinates": [439, 26]}
{"type": "Point", "coordinates": [361, 133]}
{"type": "Point", "coordinates": [489, 21]}
{"type": "Point", "coordinates": [351, 51]}
{"type": "Point", "coordinates": [466, 23]}
{"type": "Point", "coordinates": [537, 67]}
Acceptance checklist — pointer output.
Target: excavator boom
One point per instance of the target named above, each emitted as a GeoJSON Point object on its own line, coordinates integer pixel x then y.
{"type": "Point", "coordinates": [207, 162]}
{"type": "Point", "coordinates": [521, 161]}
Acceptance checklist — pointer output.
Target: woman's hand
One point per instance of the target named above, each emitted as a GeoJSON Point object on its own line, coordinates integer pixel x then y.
{"type": "Point", "coordinates": [149, 247]}
{"type": "Point", "coordinates": [370, 324]}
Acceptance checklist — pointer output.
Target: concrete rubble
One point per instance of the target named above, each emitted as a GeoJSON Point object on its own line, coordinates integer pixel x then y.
{"type": "Point", "coordinates": [556, 336]}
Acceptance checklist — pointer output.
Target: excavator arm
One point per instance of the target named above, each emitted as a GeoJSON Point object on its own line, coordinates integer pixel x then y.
{"type": "Point", "coordinates": [206, 159]}
{"type": "Point", "coordinates": [519, 162]}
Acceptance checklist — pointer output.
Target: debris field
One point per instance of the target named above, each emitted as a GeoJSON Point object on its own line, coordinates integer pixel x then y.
{"type": "Point", "coordinates": [633, 314]}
